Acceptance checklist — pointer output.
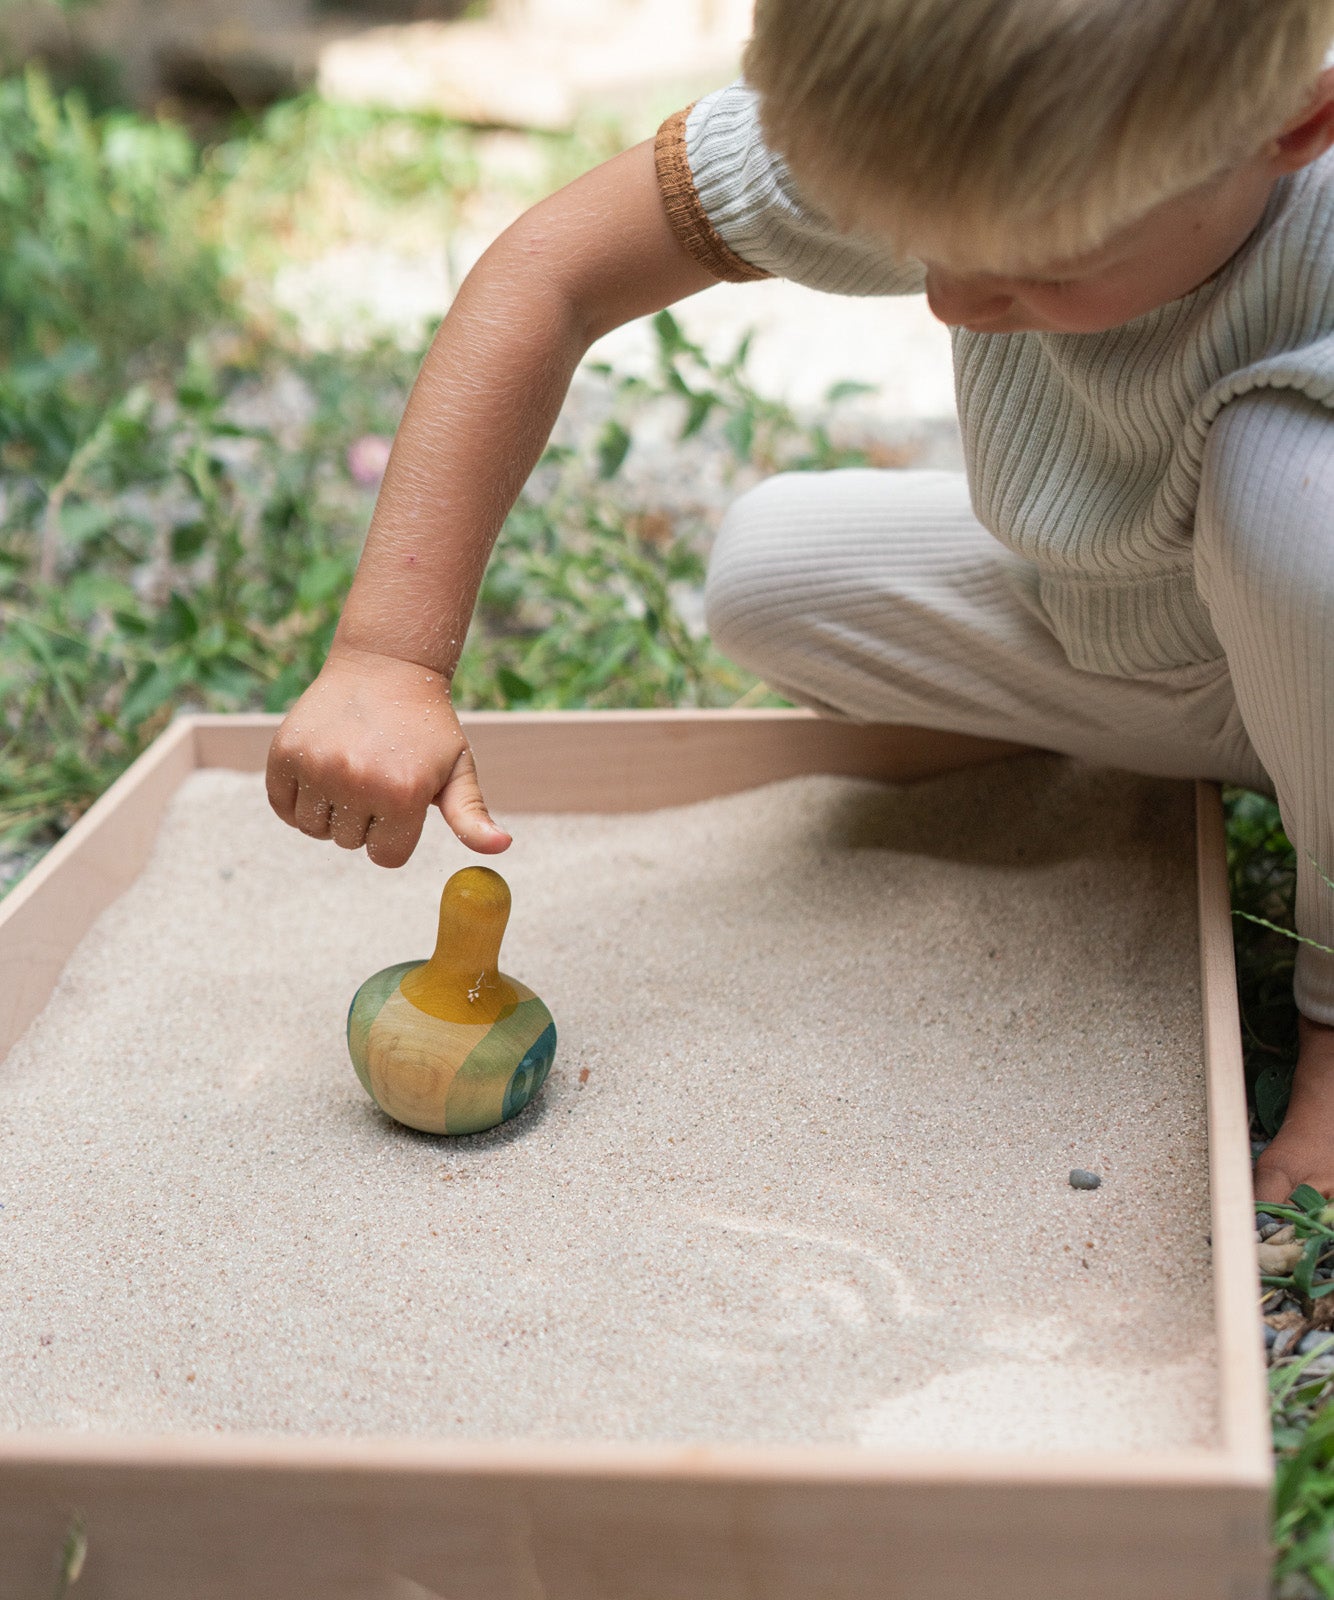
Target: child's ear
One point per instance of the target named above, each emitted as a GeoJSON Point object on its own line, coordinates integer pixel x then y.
{"type": "Point", "coordinates": [1312, 133]}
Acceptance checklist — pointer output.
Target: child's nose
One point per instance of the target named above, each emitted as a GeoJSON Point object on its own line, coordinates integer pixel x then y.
{"type": "Point", "coordinates": [956, 299]}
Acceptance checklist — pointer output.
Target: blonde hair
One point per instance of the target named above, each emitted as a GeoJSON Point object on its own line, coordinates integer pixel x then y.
{"type": "Point", "coordinates": [1040, 126]}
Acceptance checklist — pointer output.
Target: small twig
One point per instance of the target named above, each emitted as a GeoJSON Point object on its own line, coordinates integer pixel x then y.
{"type": "Point", "coordinates": [1328, 881]}
{"type": "Point", "coordinates": [1286, 932]}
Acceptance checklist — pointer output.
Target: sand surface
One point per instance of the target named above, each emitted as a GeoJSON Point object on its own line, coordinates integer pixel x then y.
{"type": "Point", "coordinates": [828, 1052]}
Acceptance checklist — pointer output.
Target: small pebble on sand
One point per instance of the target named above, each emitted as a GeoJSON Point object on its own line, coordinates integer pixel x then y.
{"type": "Point", "coordinates": [1079, 1179]}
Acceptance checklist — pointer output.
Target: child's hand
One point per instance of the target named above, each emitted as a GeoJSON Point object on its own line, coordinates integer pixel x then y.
{"type": "Point", "coordinates": [370, 745]}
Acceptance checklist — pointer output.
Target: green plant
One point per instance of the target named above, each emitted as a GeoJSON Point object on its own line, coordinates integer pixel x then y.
{"type": "Point", "coordinates": [759, 431]}
{"type": "Point", "coordinates": [104, 277]}
{"type": "Point", "coordinates": [580, 606]}
{"type": "Point", "coordinates": [1312, 1219]}
{"type": "Point", "coordinates": [170, 537]}
{"type": "Point", "coordinates": [1302, 1419]}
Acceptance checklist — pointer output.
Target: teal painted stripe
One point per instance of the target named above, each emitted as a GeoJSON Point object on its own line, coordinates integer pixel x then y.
{"type": "Point", "coordinates": [367, 1004]}
{"type": "Point", "coordinates": [477, 1095]}
{"type": "Point", "coordinates": [531, 1073]}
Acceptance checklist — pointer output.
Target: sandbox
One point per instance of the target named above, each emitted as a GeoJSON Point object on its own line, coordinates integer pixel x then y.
{"type": "Point", "coordinates": [780, 1288]}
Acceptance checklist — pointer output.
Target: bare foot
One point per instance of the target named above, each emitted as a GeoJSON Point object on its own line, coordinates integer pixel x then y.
{"type": "Point", "coordinates": [1302, 1151]}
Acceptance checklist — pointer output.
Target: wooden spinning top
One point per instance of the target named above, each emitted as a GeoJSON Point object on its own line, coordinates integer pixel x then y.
{"type": "Point", "coordinates": [452, 1045]}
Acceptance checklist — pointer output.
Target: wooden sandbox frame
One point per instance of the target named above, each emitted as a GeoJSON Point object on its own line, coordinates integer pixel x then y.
{"type": "Point", "coordinates": [233, 1517]}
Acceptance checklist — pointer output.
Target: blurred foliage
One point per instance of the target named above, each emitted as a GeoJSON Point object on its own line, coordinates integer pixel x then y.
{"type": "Point", "coordinates": [1302, 1419]}
{"type": "Point", "coordinates": [179, 511]}
{"type": "Point", "coordinates": [1262, 870]}
{"type": "Point", "coordinates": [309, 170]}
{"type": "Point", "coordinates": [103, 277]}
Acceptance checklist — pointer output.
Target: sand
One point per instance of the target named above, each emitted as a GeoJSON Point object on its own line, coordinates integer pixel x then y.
{"type": "Point", "coordinates": [828, 1052]}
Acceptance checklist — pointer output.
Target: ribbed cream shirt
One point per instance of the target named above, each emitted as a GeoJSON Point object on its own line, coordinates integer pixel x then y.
{"type": "Point", "coordinates": [1083, 451]}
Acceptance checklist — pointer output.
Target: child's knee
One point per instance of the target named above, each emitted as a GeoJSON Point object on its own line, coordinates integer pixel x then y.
{"type": "Point", "coordinates": [758, 584]}
{"type": "Point", "coordinates": [1262, 536]}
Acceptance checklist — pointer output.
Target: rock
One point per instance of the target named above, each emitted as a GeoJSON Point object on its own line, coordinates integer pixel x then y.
{"type": "Point", "coordinates": [1317, 1339]}
{"type": "Point", "coordinates": [1269, 1228]}
{"type": "Point", "coordinates": [1079, 1179]}
{"type": "Point", "coordinates": [1270, 1335]}
{"type": "Point", "coordinates": [1277, 1260]}
{"type": "Point", "coordinates": [1286, 1340]}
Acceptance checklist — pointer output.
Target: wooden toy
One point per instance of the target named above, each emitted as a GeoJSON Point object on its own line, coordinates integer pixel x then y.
{"type": "Point", "coordinates": [452, 1045]}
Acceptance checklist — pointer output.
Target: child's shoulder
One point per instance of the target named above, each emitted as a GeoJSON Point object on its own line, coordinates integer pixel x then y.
{"type": "Point", "coordinates": [724, 186]}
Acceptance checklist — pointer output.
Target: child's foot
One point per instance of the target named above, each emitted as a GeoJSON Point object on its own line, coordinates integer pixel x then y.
{"type": "Point", "coordinates": [1302, 1151]}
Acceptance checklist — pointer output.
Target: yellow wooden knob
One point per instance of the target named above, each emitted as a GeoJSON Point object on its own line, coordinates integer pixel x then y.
{"type": "Point", "coordinates": [451, 1044]}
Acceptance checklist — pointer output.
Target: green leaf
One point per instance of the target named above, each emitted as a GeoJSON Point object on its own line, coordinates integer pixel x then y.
{"type": "Point", "coordinates": [697, 412]}
{"type": "Point", "coordinates": [1307, 1199]}
{"type": "Point", "coordinates": [131, 623]}
{"type": "Point", "coordinates": [1303, 1274]}
{"type": "Point", "coordinates": [80, 523]}
{"type": "Point", "coordinates": [613, 447]}
{"type": "Point", "coordinates": [848, 390]}
{"type": "Point", "coordinates": [179, 621]}
{"type": "Point", "coordinates": [187, 541]}
{"type": "Point", "coordinates": [322, 581]}
{"type": "Point", "coordinates": [671, 340]}
{"type": "Point", "coordinates": [740, 433]}
{"type": "Point", "coordinates": [516, 689]}
{"type": "Point", "coordinates": [152, 688]}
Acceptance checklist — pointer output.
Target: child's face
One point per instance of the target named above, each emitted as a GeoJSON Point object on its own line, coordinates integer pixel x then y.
{"type": "Point", "coordinates": [1166, 254]}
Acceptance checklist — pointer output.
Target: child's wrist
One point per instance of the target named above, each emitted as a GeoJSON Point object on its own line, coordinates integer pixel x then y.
{"type": "Point", "coordinates": [353, 653]}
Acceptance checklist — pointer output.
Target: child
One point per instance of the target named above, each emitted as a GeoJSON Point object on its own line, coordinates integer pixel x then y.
{"type": "Point", "coordinates": [1125, 211]}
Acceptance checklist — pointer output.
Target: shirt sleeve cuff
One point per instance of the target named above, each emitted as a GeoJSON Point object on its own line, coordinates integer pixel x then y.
{"type": "Point", "coordinates": [687, 216]}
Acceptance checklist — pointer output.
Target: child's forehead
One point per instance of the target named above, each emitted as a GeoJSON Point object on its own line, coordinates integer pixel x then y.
{"type": "Point", "coordinates": [1018, 262]}
{"type": "Point", "coordinates": [1041, 248]}
{"type": "Point", "coordinates": [1005, 253]}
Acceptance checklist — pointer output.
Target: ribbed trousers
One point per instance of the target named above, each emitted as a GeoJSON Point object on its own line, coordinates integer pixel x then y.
{"type": "Point", "coordinates": [878, 596]}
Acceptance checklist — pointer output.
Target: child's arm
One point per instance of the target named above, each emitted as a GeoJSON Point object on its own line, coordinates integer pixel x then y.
{"type": "Point", "coordinates": [374, 741]}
